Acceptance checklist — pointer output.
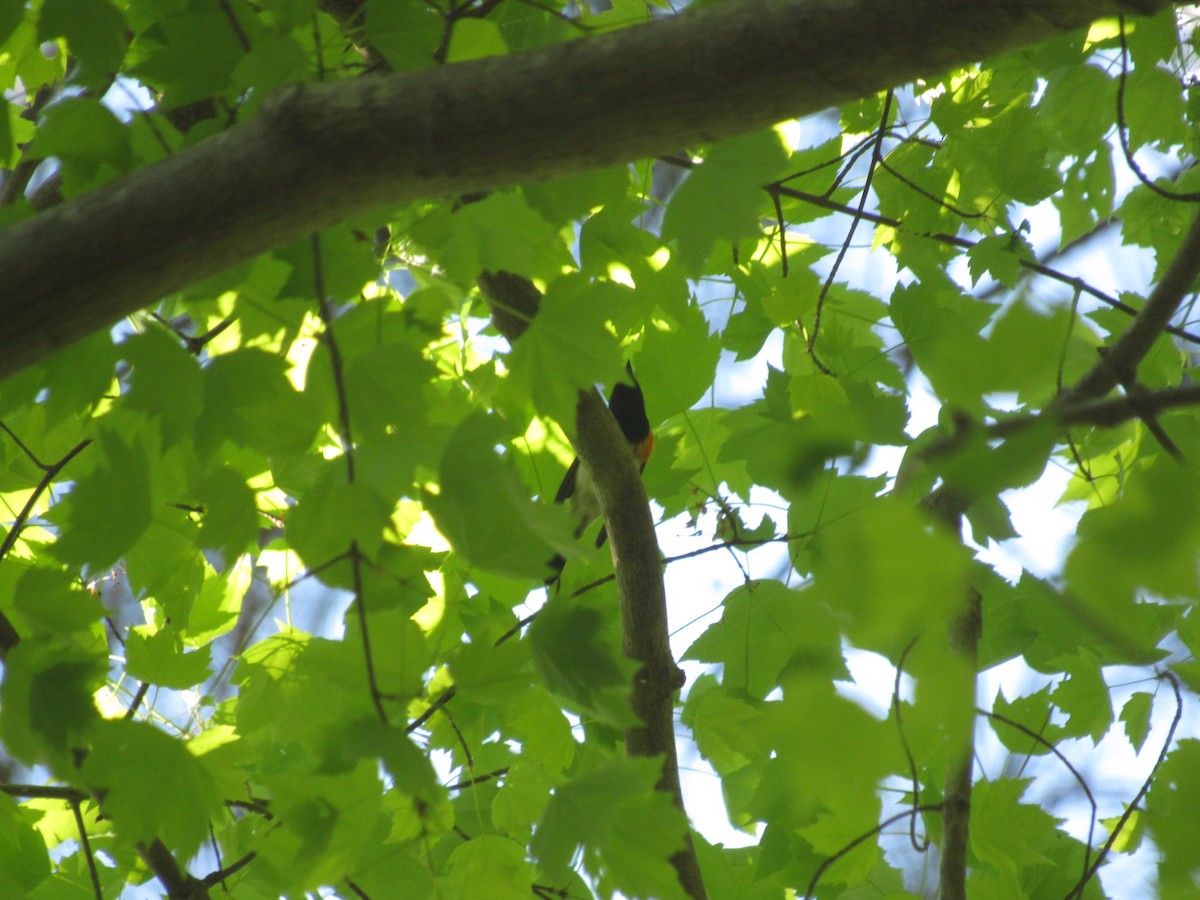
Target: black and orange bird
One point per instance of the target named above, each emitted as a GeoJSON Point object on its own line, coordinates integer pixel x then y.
{"type": "Point", "coordinates": [628, 407]}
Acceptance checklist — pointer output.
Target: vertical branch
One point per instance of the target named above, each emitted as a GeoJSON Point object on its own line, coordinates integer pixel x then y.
{"type": "Point", "coordinates": [626, 510]}
{"type": "Point", "coordinates": [965, 631]}
{"type": "Point", "coordinates": [347, 439]}
{"type": "Point", "coordinates": [86, 846]}
{"type": "Point", "coordinates": [1117, 365]}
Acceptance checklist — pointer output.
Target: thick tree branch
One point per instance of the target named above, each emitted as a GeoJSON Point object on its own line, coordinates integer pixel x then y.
{"type": "Point", "coordinates": [319, 153]}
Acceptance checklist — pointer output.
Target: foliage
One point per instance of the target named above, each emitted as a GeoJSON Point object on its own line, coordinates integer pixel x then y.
{"type": "Point", "coordinates": [194, 498]}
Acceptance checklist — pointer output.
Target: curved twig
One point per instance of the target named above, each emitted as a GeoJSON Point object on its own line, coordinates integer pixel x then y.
{"type": "Point", "coordinates": [1077, 891]}
{"type": "Point", "coordinates": [1123, 132]}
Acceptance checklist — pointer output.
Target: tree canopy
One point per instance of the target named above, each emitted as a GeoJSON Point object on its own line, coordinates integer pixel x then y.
{"type": "Point", "coordinates": [306, 304]}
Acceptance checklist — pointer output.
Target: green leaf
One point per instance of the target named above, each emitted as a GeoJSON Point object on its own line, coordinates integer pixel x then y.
{"type": "Point", "coordinates": [1021, 155]}
{"type": "Point", "coordinates": [406, 32]}
{"type": "Point", "coordinates": [301, 692]}
{"type": "Point", "coordinates": [229, 524]}
{"type": "Point", "coordinates": [384, 390]}
{"type": "Point", "coordinates": [569, 347]}
{"type": "Point", "coordinates": [722, 199]}
{"type": "Point", "coordinates": [1005, 833]}
{"type": "Point", "coordinates": [348, 264]}
{"type": "Point", "coordinates": [678, 362]}
{"type": "Point", "coordinates": [1077, 106]}
{"type": "Point", "coordinates": [764, 625]}
{"type": "Point", "coordinates": [615, 812]}
{"type": "Point", "coordinates": [733, 872]}
{"type": "Point", "coordinates": [778, 450]}
{"type": "Point", "coordinates": [1136, 716]}
{"type": "Point", "coordinates": [166, 564]}
{"type": "Point", "coordinates": [491, 675]}
{"type": "Point", "coordinates": [1084, 697]}
{"type": "Point", "coordinates": [334, 514]}
{"type": "Point", "coordinates": [889, 574]}
{"type": "Point", "coordinates": [50, 601]}
{"type": "Point", "coordinates": [563, 200]}
{"type": "Point", "coordinates": [1151, 529]}
{"type": "Point", "coordinates": [1147, 222]}
{"type": "Point", "coordinates": [159, 658]}
{"type": "Point", "coordinates": [475, 39]}
{"type": "Point", "coordinates": [1001, 256]}
{"type": "Point", "coordinates": [578, 655]}
{"type": "Point", "coordinates": [248, 400]}
{"type": "Point", "coordinates": [326, 826]}
{"type": "Point", "coordinates": [1154, 108]}
{"type": "Point", "coordinates": [499, 233]}
{"type": "Point", "coordinates": [1025, 348]}
{"type": "Point", "coordinates": [832, 835]}
{"type": "Point", "coordinates": [23, 860]}
{"type": "Point", "coordinates": [95, 32]}
{"type": "Point", "coordinates": [92, 535]}
{"type": "Point", "coordinates": [943, 332]}
{"type": "Point", "coordinates": [1086, 198]}
{"type": "Point", "coordinates": [719, 718]}
{"type": "Point", "coordinates": [190, 56]}
{"type": "Point", "coordinates": [1170, 805]}
{"type": "Point", "coordinates": [1034, 712]}
{"type": "Point", "coordinates": [273, 60]}
{"type": "Point", "coordinates": [11, 13]}
{"type": "Point", "coordinates": [494, 861]}
{"type": "Point", "coordinates": [88, 140]}
{"type": "Point", "coordinates": [79, 376]}
{"type": "Point", "coordinates": [485, 511]}
{"type": "Point", "coordinates": [47, 706]}
{"type": "Point", "coordinates": [216, 607]}
{"type": "Point", "coordinates": [804, 777]}
{"type": "Point", "coordinates": [371, 739]}
{"type": "Point", "coordinates": [166, 383]}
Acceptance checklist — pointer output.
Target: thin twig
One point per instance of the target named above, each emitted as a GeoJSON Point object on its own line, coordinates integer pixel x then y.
{"type": "Point", "coordinates": [1077, 891]}
{"type": "Point", "coordinates": [86, 847]}
{"type": "Point", "coordinates": [866, 836]}
{"type": "Point", "coordinates": [337, 364]}
{"type": "Point", "coordinates": [214, 878]}
{"type": "Point", "coordinates": [876, 157]}
{"type": "Point", "coordinates": [16, 440]}
{"type": "Point", "coordinates": [1123, 131]}
{"type": "Point", "coordinates": [962, 243]}
{"type": "Point", "coordinates": [478, 779]}
{"type": "Point", "coordinates": [9, 636]}
{"type": "Point", "coordinates": [48, 476]}
{"type": "Point", "coordinates": [44, 792]}
{"type": "Point", "coordinates": [437, 704]}
{"type": "Point", "coordinates": [1037, 738]}
{"type": "Point", "coordinates": [138, 697]}
{"type": "Point", "coordinates": [921, 844]}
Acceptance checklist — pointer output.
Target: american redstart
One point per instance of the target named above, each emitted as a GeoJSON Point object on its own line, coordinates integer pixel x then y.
{"type": "Point", "coordinates": [628, 407]}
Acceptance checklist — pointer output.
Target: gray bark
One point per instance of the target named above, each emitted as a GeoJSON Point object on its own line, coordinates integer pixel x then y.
{"type": "Point", "coordinates": [319, 153]}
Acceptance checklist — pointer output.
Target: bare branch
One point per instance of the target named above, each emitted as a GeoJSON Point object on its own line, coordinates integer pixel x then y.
{"type": "Point", "coordinates": [1120, 361]}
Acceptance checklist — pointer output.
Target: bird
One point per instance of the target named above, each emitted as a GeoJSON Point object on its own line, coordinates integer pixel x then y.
{"type": "Point", "coordinates": [628, 406]}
